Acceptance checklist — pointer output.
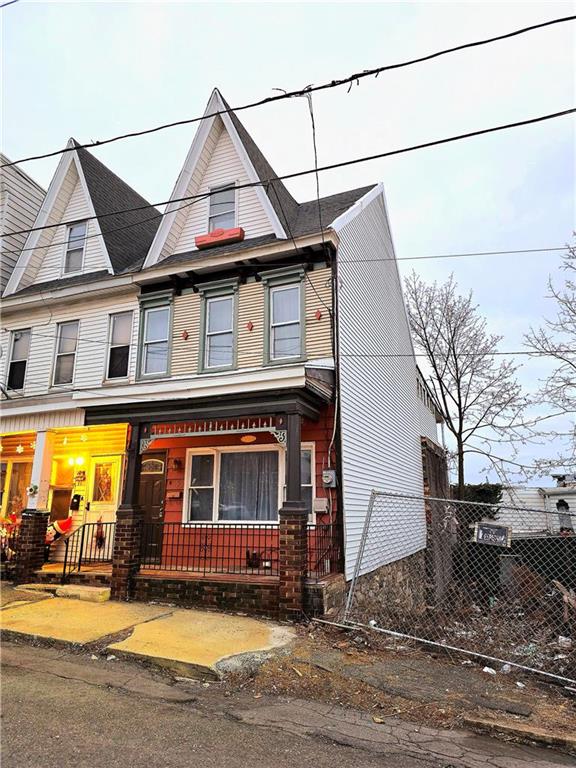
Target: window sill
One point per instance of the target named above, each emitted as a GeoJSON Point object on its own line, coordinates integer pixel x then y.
{"type": "Point", "coordinates": [227, 523]}
{"type": "Point", "coordinates": [285, 361]}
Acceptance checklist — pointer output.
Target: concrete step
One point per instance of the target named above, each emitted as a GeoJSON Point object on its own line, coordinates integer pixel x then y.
{"type": "Point", "coordinates": [74, 591]}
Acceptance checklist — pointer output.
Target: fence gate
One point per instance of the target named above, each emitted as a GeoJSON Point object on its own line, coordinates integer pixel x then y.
{"type": "Point", "coordinates": [497, 582]}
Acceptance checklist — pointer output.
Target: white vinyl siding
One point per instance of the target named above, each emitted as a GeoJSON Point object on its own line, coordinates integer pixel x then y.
{"type": "Point", "coordinates": [218, 165]}
{"type": "Point", "coordinates": [378, 398]}
{"type": "Point", "coordinates": [92, 352]}
{"type": "Point", "coordinates": [71, 205]}
{"type": "Point", "coordinates": [20, 199]}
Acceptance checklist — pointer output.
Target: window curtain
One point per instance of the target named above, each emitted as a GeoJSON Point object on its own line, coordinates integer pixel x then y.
{"type": "Point", "coordinates": [249, 486]}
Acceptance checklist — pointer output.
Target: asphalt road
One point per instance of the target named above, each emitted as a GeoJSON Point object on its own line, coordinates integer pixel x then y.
{"type": "Point", "coordinates": [62, 710]}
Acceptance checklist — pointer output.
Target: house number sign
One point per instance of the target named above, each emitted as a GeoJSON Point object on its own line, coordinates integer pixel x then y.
{"type": "Point", "coordinates": [494, 535]}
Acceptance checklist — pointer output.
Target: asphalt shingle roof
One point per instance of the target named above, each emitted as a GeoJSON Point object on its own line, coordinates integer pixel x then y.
{"type": "Point", "coordinates": [127, 244]}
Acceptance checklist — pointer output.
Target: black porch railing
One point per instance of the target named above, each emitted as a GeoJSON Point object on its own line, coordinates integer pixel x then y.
{"type": "Point", "coordinates": [250, 549]}
{"type": "Point", "coordinates": [89, 545]}
{"type": "Point", "coordinates": [238, 548]}
{"type": "Point", "coordinates": [324, 550]}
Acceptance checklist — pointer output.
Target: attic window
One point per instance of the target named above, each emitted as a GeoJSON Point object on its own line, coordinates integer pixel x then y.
{"type": "Point", "coordinates": [74, 256]}
{"type": "Point", "coordinates": [222, 213]}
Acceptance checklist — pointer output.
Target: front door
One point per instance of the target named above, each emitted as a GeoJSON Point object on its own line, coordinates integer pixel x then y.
{"type": "Point", "coordinates": [151, 500]}
{"type": "Point", "coordinates": [103, 488]}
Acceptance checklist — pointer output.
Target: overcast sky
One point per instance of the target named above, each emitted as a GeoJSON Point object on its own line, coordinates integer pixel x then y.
{"type": "Point", "coordinates": [92, 70]}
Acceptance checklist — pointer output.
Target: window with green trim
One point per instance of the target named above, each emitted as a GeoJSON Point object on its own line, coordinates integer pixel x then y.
{"type": "Point", "coordinates": [285, 321]}
{"type": "Point", "coordinates": [219, 333]}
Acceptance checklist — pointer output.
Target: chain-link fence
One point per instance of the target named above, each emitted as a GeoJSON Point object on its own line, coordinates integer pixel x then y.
{"type": "Point", "coordinates": [496, 581]}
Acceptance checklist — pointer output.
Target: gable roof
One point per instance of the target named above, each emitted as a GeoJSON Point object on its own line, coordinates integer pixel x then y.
{"type": "Point", "coordinates": [128, 236]}
{"type": "Point", "coordinates": [282, 202]}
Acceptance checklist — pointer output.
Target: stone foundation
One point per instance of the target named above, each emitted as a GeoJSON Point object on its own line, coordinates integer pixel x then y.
{"type": "Point", "coordinates": [395, 588]}
{"type": "Point", "coordinates": [325, 597]}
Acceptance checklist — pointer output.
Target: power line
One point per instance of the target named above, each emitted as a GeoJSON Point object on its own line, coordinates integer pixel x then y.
{"type": "Point", "coordinates": [10, 2]}
{"type": "Point", "coordinates": [299, 174]}
{"type": "Point", "coordinates": [349, 80]}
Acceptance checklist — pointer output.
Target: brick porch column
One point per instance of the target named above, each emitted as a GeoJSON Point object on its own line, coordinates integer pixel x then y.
{"type": "Point", "coordinates": [30, 545]}
{"type": "Point", "coordinates": [293, 533]}
{"type": "Point", "coordinates": [126, 556]}
{"type": "Point", "coordinates": [127, 538]}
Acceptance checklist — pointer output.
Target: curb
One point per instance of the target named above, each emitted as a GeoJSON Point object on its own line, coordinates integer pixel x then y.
{"type": "Point", "coordinates": [519, 731]}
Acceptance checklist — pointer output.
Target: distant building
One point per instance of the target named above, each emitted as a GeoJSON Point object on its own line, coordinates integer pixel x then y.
{"type": "Point", "coordinates": [20, 201]}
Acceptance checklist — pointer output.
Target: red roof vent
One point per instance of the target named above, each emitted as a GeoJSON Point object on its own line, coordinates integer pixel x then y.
{"type": "Point", "coordinates": [219, 237]}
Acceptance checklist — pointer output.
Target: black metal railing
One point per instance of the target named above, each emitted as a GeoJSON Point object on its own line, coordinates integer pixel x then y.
{"type": "Point", "coordinates": [238, 548]}
{"type": "Point", "coordinates": [324, 550]}
{"type": "Point", "coordinates": [89, 545]}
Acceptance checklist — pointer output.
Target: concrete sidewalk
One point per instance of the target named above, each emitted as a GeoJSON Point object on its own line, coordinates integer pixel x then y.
{"type": "Point", "coordinates": [191, 643]}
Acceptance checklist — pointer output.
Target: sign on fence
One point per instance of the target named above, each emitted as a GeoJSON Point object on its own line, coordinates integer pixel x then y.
{"type": "Point", "coordinates": [495, 535]}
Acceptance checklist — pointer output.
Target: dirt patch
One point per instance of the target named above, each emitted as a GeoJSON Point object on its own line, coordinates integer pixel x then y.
{"type": "Point", "coordinates": [388, 678]}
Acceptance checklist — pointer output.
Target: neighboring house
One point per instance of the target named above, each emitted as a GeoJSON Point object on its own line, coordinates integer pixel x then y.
{"type": "Point", "coordinates": [540, 510]}
{"type": "Point", "coordinates": [242, 354]}
{"type": "Point", "coordinates": [20, 200]}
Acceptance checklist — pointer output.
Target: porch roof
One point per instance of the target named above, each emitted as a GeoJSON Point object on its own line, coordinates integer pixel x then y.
{"type": "Point", "coordinates": [306, 401]}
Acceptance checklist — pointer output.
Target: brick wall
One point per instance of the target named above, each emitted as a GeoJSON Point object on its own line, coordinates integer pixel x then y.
{"type": "Point", "coordinates": [30, 545]}
{"type": "Point", "coordinates": [259, 598]}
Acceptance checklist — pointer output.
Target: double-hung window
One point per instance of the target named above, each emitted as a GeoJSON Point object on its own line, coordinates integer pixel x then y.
{"type": "Point", "coordinates": [155, 335]}
{"type": "Point", "coordinates": [285, 321]}
{"type": "Point", "coordinates": [222, 213]}
{"type": "Point", "coordinates": [18, 359]}
{"type": "Point", "coordinates": [66, 344]}
{"type": "Point", "coordinates": [119, 345]}
{"type": "Point", "coordinates": [218, 331]}
{"type": "Point", "coordinates": [75, 241]}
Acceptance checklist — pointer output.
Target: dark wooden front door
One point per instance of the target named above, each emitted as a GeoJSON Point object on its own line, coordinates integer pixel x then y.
{"type": "Point", "coordinates": [151, 499]}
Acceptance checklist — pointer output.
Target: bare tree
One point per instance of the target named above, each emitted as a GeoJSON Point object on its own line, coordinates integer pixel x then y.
{"type": "Point", "coordinates": [557, 341]}
{"type": "Point", "coordinates": [479, 397]}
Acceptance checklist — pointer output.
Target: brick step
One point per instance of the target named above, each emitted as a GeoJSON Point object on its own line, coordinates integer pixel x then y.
{"type": "Point", "coordinates": [90, 578]}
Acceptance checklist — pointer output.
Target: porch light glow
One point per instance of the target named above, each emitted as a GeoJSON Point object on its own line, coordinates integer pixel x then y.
{"type": "Point", "coordinates": [248, 439]}
{"type": "Point", "coordinates": [79, 460]}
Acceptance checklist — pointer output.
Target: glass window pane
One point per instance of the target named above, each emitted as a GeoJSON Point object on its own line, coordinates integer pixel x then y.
{"type": "Point", "coordinates": [249, 486]}
{"type": "Point", "coordinates": [67, 336]}
{"type": "Point", "coordinates": [219, 314]}
{"type": "Point", "coordinates": [222, 200]}
{"type": "Point", "coordinates": [73, 261]}
{"type": "Point", "coordinates": [286, 340]}
{"type": "Point", "coordinates": [220, 350]}
{"type": "Point", "coordinates": [121, 328]}
{"type": "Point", "coordinates": [76, 232]}
{"type": "Point", "coordinates": [64, 369]}
{"type": "Point", "coordinates": [156, 357]}
{"type": "Point", "coordinates": [19, 480]}
{"type": "Point", "coordinates": [118, 364]}
{"type": "Point", "coordinates": [21, 345]}
{"type": "Point", "coordinates": [306, 467]}
{"type": "Point", "coordinates": [201, 503]}
{"type": "Point", "coordinates": [102, 489]}
{"type": "Point", "coordinates": [16, 374]}
{"type": "Point", "coordinates": [307, 499]}
{"type": "Point", "coordinates": [286, 305]}
{"type": "Point", "coordinates": [222, 221]}
{"type": "Point", "coordinates": [202, 470]}
{"type": "Point", "coordinates": [157, 324]}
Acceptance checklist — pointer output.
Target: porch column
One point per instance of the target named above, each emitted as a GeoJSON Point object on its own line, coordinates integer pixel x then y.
{"type": "Point", "coordinates": [31, 541]}
{"type": "Point", "coordinates": [41, 471]}
{"type": "Point", "coordinates": [127, 538]}
{"type": "Point", "coordinates": [30, 545]}
{"type": "Point", "coordinates": [293, 535]}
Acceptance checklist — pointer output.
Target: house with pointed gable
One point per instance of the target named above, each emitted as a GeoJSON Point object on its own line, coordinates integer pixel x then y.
{"type": "Point", "coordinates": [211, 392]}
